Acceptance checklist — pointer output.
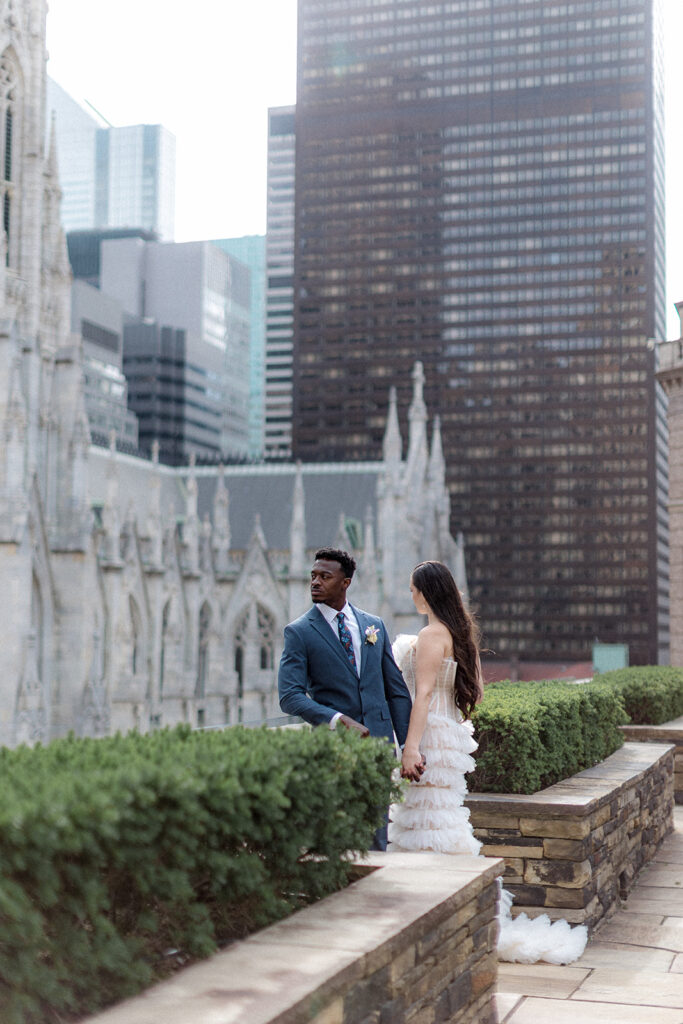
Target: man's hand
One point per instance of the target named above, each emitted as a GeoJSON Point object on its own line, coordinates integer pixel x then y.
{"type": "Point", "coordinates": [412, 766]}
{"type": "Point", "coordinates": [351, 723]}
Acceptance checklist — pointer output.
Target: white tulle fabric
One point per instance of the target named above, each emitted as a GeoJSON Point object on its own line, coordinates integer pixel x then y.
{"type": "Point", "coordinates": [433, 817]}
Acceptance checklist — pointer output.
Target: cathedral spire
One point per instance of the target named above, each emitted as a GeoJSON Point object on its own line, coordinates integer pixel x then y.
{"type": "Point", "coordinates": [392, 446]}
{"type": "Point", "coordinates": [221, 524]}
{"type": "Point", "coordinates": [155, 527]}
{"type": "Point", "coordinates": [437, 463]}
{"type": "Point", "coordinates": [191, 524]}
{"type": "Point", "coordinates": [416, 463]}
{"type": "Point", "coordinates": [297, 531]}
{"type": "Point", "coordinates": [51, 164]}
{"type": "Point", "coordinates": [111, 522]}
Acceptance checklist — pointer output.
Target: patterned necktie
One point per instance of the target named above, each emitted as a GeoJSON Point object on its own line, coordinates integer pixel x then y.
{"type": "Point", "coordinates": [345, 637]}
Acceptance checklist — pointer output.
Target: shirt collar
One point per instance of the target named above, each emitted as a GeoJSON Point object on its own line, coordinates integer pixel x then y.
{"type": "Point", "coordinates": [330, 614]}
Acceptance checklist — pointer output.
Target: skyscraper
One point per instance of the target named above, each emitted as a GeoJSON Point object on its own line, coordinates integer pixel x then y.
{"type": "Point", "coordinates": [480, 183]}
{"type": "Point", "coordinates": [251, 250]}
{"type": "Point", "coordinates": [279, 283]}
{"type": "Point", "coordinates": [112, 177]}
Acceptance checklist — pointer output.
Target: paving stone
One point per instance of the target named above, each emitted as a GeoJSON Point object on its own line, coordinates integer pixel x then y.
{"type": "Point", "coordinates": [540, 979]}
{"type": "Point", "coordinates": [630, 920]}
{"type": "Point", "coordinates": [668, 877]}
{"type": "Point", "coordinates": [638, 988]}
{"type": "Point", "coordinates": [505, 1003]}
{"type": "Point", "coordinates": [644, 936]}
{"type": "Point", "coordinates": [650, 897]}
{"type": "Point", "coordinates": [624, 956]}
{"type": "Point", "coordinates": [573, 1011]}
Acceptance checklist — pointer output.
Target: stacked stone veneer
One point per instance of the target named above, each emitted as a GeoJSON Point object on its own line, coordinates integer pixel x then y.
{"type": "Point", "coordinates": [667, 732]}
{"type": "Point", "coordinates": [412, 942]}
{"type": "Point", "coordinates": [573, 850]}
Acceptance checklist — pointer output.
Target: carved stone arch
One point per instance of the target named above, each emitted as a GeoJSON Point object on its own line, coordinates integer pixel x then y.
{"type": "Point", "coordinates": [94, 717]}
{"type": "Point", "coordinates": [137, 651]}
{"type": "Point", "coordinates": [266, 632]}
{"type": "Point", "coordinates": [174, 636]}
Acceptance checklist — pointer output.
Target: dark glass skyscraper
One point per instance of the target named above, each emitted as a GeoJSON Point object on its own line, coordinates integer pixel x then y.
{"type": "Point", "coordinates": [479, 184]}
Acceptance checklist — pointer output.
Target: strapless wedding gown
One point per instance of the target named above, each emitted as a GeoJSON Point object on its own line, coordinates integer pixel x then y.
{"type": "Point", "coordinates": [433, 816]}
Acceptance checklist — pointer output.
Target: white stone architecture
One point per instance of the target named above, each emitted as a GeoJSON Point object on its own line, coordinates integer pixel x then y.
{"type": "Point", "coordinates": [138, 595]}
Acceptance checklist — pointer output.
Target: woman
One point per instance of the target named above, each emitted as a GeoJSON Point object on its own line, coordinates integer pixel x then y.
{"type": "Point", "coordinates": [442, 669]}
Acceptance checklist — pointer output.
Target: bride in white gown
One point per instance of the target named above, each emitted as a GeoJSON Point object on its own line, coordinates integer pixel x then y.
{"type": "Point", "coordinates": [442, 670]}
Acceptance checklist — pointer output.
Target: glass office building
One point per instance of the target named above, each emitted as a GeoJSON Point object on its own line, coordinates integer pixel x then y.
{"type": "Point", "coordinates": [479, 184]}
{"type": "Point", "coordinates": [279, 283]}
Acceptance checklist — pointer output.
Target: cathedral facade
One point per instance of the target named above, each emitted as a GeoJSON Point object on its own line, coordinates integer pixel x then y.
{"type": "Point", "coordinates": [139, 595]}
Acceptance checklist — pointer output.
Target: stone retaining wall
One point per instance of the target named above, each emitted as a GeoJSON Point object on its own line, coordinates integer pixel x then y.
{"type": "Point", "coordinates": [573, 849]}
{"type": "Point", "coordinates": [668, 732]}
{"type": "Point", "coordinates": [412, 942]}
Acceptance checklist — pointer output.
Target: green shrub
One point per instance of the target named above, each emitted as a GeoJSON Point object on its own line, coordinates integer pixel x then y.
{"type": "Point", "coordinates": [532, 735]}
{"type": "Point", "coordinates": [125, 856]}
{"type": "Point", "coordinates": [652, 693]}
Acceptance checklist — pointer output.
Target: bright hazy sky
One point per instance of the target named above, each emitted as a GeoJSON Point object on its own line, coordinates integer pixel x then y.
{"type": "Point", "coordinates": [208, 71]}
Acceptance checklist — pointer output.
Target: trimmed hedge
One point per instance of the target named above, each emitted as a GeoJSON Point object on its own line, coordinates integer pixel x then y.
{"type": "Point", "coordinates": [532, 735]}
{"type": "Point", "coordinates": [124, 857]}
{"type": "Point", "coordinates": [652, 694]}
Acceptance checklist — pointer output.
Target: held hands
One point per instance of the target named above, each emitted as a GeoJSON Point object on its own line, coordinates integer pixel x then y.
{"type": "Point", "coordinates": [413, 764]}
{"type": "Point", "coordinates": [351, 723]}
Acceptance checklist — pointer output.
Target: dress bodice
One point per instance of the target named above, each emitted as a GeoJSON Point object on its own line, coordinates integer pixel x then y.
{"type": "Point", "coordinates": [443, 697]}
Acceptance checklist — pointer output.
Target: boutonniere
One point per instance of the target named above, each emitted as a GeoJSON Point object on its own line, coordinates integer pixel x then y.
{"type": "Point", "coordinates": [371, 634]}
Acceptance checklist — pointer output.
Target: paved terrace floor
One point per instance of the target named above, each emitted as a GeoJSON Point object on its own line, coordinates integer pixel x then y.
{"type": "Point", "coordinates": [632, 969]}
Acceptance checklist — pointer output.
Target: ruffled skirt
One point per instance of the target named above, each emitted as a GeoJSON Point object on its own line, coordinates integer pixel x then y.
{"type": "Point", "coordinates": [432, 817]}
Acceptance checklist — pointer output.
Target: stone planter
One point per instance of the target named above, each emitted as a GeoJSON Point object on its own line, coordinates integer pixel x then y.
{"type": "Point", "coordinates": [573, 850]}
{"type": "Point", "coordinates": [412, 941]}
{"type": "Point", "coordinates": [667, 732]}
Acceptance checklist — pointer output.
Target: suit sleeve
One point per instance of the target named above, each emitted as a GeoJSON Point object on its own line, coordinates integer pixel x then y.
{"type": "Point", "coordinates": [395, 691]}
{"type": "Point", "coordinates": [292, 682]}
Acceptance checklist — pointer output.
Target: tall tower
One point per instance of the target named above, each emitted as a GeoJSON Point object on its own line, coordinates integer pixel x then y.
{"type": "Point", "coordinates": [279, 283]}
{"type": "Point", "coordinates": [479, 185]}
{"type": "Point", "coordinates": [45, 519]}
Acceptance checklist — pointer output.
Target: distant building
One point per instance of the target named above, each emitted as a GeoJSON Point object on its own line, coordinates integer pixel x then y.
{"type": "Point", "coordinates": [670, 375]}
{"type": "Point", "coordinates": [112, 177]}
{"type": "Point", "coordinates": [84, 248]}
{"type": "Point", "coordinates": [99, 321]}
{"type": "Point", "coordinates": [136, 179]}
{"type": "Point", "coordinates": [188, 308]}
{"type": "Point", "coordinates": [76, 132]}
{"type": "Point", "coordinates": [279, 283]}
{"type": "Point", "coordinates": [481, 186]}
{"type": "Point", "coordinates": [251, 250]}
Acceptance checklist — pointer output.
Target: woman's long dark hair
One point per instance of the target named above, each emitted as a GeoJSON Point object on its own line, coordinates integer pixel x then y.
{"type": "Point", "coordinates": [436, 584]}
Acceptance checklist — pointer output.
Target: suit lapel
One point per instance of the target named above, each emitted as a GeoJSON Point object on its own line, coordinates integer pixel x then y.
{"type": "Point", "coordinates": [322, 627]}
{"type": "Point", "coordinates": [362, 623]}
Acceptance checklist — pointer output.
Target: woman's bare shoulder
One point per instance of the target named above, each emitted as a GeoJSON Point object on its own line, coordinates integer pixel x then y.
{"type": "Point", "coordinates": [435, 637]}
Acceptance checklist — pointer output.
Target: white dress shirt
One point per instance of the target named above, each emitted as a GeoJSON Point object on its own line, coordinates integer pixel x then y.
{"type": "Point", "coordinates": [330, 615]}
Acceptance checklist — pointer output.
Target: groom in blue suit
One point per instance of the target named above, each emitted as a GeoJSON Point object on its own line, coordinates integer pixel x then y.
{"type": "Point", "coordinates": [337, 667]}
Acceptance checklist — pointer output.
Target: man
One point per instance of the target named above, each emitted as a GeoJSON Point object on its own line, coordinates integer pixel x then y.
{"type": "Point", "coordinates": [337, 666]}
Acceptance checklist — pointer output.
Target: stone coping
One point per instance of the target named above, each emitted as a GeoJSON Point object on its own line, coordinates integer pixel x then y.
{"type": "Point", "coordinates": [289, 971]}
{"type": "Point", "coordinates": [672, 730]}
{"type": "Point", "coordinates": [582, 794]}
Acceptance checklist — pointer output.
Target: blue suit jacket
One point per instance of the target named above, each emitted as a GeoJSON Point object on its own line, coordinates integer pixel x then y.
{"type": "Point", "coordinates": [316, 678]}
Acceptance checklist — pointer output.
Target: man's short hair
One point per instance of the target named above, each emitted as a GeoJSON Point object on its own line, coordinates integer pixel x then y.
{"type": "Point", "coordinates": [346, 560]}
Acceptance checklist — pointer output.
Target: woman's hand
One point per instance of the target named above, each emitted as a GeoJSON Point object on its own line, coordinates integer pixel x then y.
{"type": "Point", "coordinates": [413, 764]}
